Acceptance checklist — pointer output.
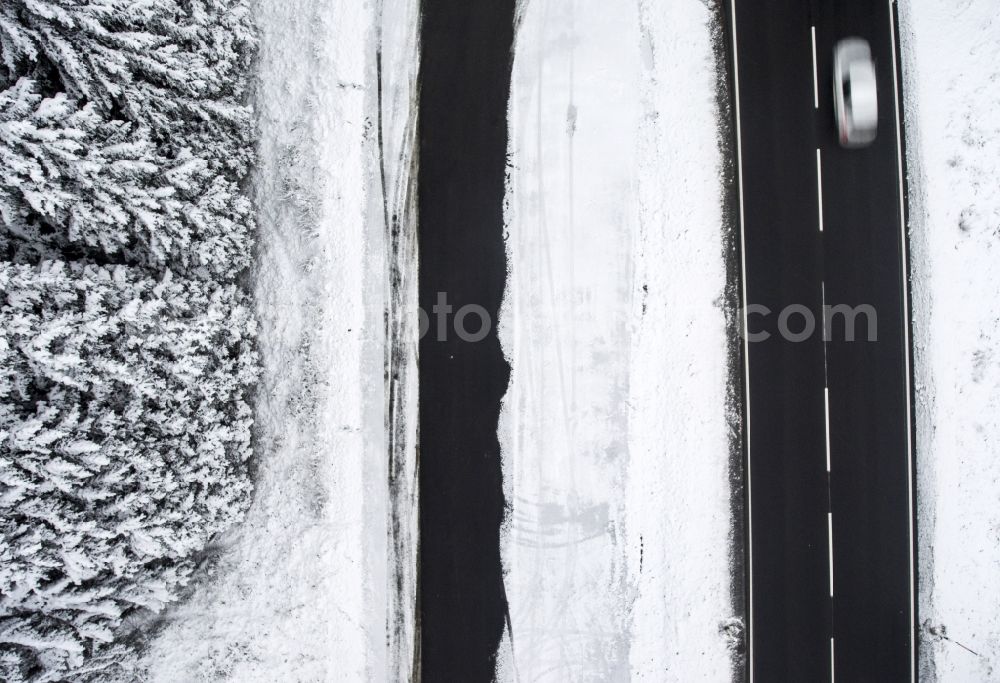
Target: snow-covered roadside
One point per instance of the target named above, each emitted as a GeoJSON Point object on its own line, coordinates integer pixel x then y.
{"type": "Point", "coordinates": [679, 498]}
{"type": "Point", "coordinates": [303, 589]}
{"type": "Point", "coordinates": [951, 64]}
{"type": "Point", "coordinates": [397, 38]}
{"type": "Point", "coordinates": [614, 432]}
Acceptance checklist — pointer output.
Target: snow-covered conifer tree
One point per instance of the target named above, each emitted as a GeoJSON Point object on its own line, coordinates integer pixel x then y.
{"type": "Point", "coordinates": [124, 439]}
{"type": "Point", "coordinates": [70, 180]}
{"type": "Point", "coordinates": [129, 100]}
{"type": "Point", "coordinates": [126, 345]}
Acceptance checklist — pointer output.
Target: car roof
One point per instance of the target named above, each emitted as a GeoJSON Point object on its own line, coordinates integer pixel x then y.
{"type": "Point", "coordinates": [864, 103]}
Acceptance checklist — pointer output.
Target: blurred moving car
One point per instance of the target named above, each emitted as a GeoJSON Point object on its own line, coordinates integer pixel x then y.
{"type": "Point", "coordinates": [854, 93]}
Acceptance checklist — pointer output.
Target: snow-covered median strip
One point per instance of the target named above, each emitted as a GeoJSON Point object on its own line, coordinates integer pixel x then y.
{"type": "Point", "coordinates": [951, 64]}
{"type": "Point", "coordinates": [614, 430]}
{"type": "Point", "coordinates": [678, 497]}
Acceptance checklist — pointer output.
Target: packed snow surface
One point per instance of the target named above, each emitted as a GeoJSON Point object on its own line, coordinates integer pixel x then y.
{"type": "Point", "coordinates": [951, 64]}
{"type": "Point", "coordinates": [614, 430]}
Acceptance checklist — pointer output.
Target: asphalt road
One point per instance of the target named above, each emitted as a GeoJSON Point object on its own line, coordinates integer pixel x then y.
{"type": "Point", "coordinates": [464, 87]}
{"type": "Point", "coordinates": [831, 568]}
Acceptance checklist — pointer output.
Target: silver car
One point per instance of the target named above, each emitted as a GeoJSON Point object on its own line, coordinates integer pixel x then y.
{"type": "Point", "coordinates": [854, 93]}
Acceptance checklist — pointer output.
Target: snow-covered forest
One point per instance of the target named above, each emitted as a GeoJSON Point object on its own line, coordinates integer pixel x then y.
{"type": "Point", "coordinates": [127, 348]}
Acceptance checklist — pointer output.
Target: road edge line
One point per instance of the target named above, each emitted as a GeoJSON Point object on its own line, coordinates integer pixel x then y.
{"type": "Point", "coordinates": [906, 337]}
{"type": "Point", "coordinates": [746, 343]}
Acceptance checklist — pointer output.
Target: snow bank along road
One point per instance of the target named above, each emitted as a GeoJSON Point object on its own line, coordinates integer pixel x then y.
{"type": "Point", "coordinates": [831, 570]}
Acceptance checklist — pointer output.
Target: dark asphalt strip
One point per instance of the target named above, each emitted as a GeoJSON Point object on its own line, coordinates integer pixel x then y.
{"type": "Point", "coordinates": [797, 631]}
{"type": "Point", "coordinates": [464, 87]}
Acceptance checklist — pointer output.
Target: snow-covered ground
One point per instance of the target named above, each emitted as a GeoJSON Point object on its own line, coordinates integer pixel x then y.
{"type": "Point", "coordinates": [614, 431]}
{"type": "Point", "coordinates": [951, 63]}
{"type": "Point", "coordinates": [303, 589]}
